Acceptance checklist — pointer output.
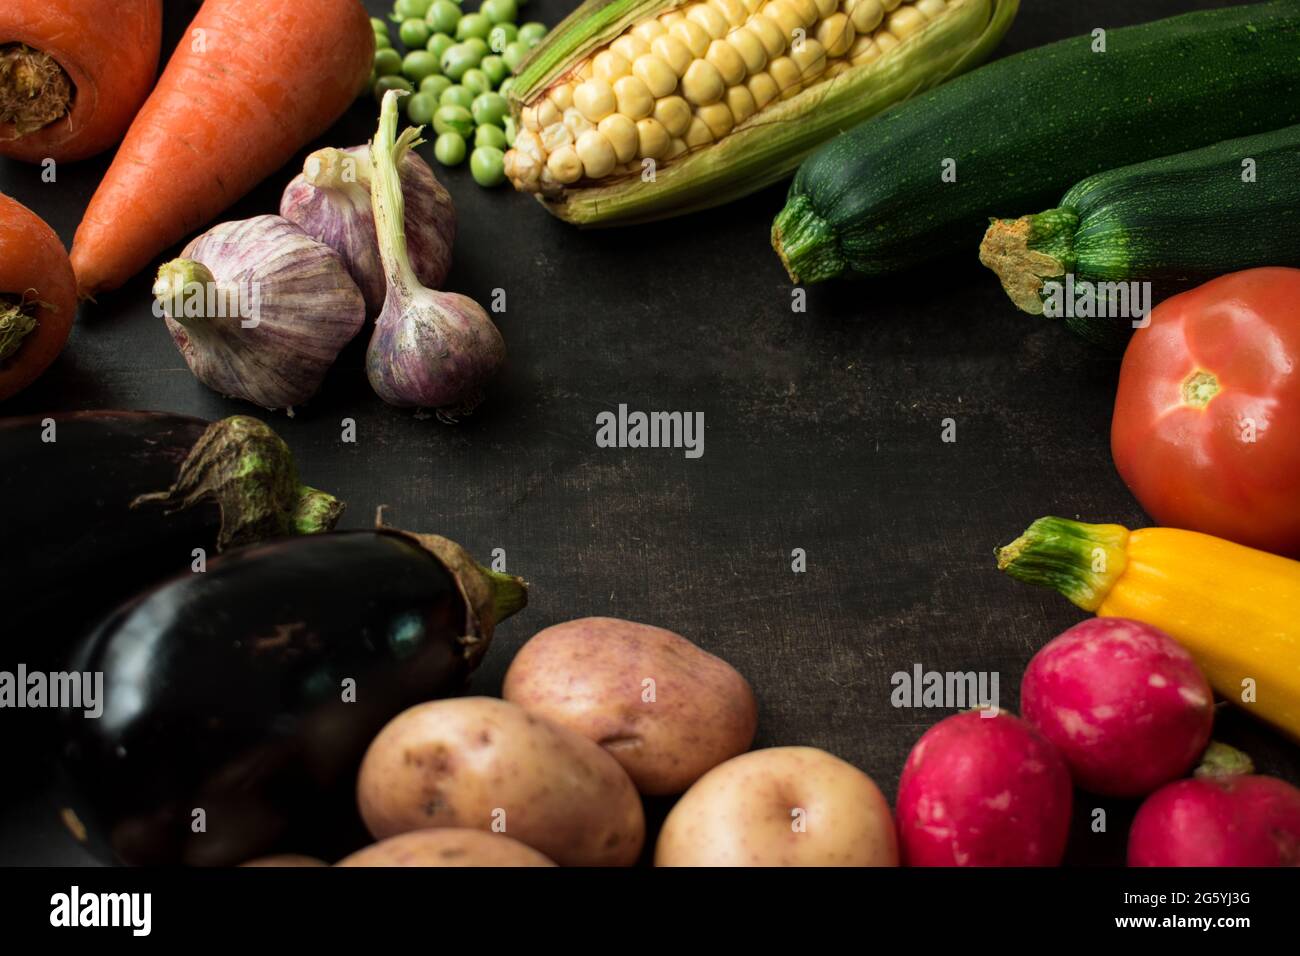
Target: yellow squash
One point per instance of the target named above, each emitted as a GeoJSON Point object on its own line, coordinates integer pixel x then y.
{"type": "Point", "coordinates": [1237, 610]}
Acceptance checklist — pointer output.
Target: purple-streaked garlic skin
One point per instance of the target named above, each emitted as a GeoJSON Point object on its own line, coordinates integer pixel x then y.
{"type": "Point", "coordinates": [307, 308]}
{"type": "Point", "coordinates": [433, 350]}
{"type": "Point", "coordinates": [341, 217]}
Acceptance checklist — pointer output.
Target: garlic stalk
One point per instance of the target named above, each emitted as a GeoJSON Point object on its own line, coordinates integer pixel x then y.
{"type": "Point", "coordinates": [259, 310]}
{"type": "Point", "coordinates": [429, 349]}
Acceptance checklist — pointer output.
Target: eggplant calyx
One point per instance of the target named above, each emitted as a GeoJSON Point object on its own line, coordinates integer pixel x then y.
{"type": "Point", "coordinates": [1221, 761]}
{"type": "Point", "coordinates": [248, 470]}
{"type": "Point", "coordinates": [490, 596]}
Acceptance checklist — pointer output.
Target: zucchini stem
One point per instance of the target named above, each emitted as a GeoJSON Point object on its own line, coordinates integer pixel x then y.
{"type": "Point", "coordinates": [1026, 251]}
{"type": "Point", "coordinates": [806, 243]}
{"type": "Point", "coordinates": [1081, 561]}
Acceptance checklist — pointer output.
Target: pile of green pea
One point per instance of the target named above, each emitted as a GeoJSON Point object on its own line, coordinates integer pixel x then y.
{"type": "Point", "coordinates": [458, 68]}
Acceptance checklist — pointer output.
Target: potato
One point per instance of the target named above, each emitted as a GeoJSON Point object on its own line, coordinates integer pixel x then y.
{"type": "Point", "coordinates": [286, 859]}
{"type": "Point", "coordinates": [447, 848]}
{"type": "Point", "coordinates": [487, 764]}
{"type": "Point", "coordinates": [595, 675]}
{"type": "Point", "coordinates": [787, 806]}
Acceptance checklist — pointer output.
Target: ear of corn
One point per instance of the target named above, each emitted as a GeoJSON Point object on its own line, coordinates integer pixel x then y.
{"type": "Point", "coordinates": [634, 110]}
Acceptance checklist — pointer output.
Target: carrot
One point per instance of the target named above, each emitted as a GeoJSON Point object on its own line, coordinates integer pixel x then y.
{"type": "Point", "coordinates": [73, 74]}
{"type": "Point", "coordinates": [251, 82]}
{"type": "Point", "coordinates": [38, 296]}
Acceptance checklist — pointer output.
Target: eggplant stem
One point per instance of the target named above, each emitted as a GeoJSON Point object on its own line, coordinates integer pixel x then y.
{"type": "Point", "coordinates": [248, 470]}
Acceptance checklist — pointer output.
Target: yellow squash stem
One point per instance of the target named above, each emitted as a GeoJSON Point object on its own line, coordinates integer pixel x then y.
{"type": "Point", "coordinates": [1237, 610]}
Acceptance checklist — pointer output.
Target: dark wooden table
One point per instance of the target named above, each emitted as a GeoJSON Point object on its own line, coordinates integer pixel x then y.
{"type": "Point", "coordinates": [823, 432]}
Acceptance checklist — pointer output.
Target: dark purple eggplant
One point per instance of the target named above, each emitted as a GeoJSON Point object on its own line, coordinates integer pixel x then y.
{"type": "Point", "coordinates": [118, 501]}
{"type": "Point", "coordinates": [227, 692]}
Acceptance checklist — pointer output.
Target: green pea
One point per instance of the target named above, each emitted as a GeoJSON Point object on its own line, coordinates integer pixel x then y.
{"type": "Point", "coordinates": [493, 136]}
{"type": "Point", "coordinates": [388, 62]}
{"type": "Point", "coordinates": [386, 83]}
{"type": "Point", "coordinates": [487, 166]}
{"type": "Point", "coordinates": [443, 16]}
{"type": "Point", "coordinates": [489, 108]}
{"type": "Point", "coordinates": [511, 131]}
{"type": "Point", "coordinates": [514, 54]}
{"type": "Point", "coordinates": [439, 44]}
{"type": "Point", "coordinates": [418, 64]}
{"type": "Point", "coordinates": [457, 59]}
{"type": "Point", "coordinates": [532, 33]}
{"type": "Point", "coordinates": [479, 46]}
{"type": "Point", "coordinates": [414, 33]}
{"type": "Point", "coordinates": [504, 86]}
{"type": "Point", "coordinates": [420, 108]}
{"type": "Point", "coordinates": [382, 42]}
{"type": "Point", "coordinates": [495, 68]}
{"type": "Point", "coordinates": [476, 81]}
{"type": "Point", "coordinates": [449, 149]}
{"type": "Point", "coordinates": [453, 119]}
{"type": "Point", "coordinates": [473, 25]}
{"type": "Point", "coordinates": [500, 11]}
{"type": "Point", "coordinates": [456, 96]}
{"type": "Point", "coordinates": [434, 85]}
{"type": "Point", "coordinates": [502, 35]}
{"type": "Point", "coordinates": [406, 9]}
{"type": "Point", "coordinates": [379, 26]}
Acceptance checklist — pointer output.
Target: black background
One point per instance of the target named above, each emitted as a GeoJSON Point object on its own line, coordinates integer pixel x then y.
{"type": "Point", "coordinates": [823, 433]}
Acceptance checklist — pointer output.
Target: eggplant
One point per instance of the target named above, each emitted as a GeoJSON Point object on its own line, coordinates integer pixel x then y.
{"type": "Point", "coordinates": [251, 692]}
{"type": "Point", "coordinates": [118, 501]}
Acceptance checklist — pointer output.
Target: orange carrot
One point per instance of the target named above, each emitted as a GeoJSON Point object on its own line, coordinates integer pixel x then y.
{"type": "Point", "coordinates": [38, 296]}
{"type": "Point", "coordinates": [73, 74]}
{"type": "Point", "coordinates": [250, 83]}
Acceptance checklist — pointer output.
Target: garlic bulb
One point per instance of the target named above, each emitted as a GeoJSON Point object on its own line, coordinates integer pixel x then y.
{"type": "Point", "coordinates": [259, 310]}
{"type": "Point", "coordinates": [330, 201]}
{"type": "Point", "coordinates": [429, 349]}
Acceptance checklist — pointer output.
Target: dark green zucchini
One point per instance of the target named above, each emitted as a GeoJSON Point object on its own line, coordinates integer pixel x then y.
{"type": "Point", "coordinates": [1173, 222]}
{"type": "Point", "coordinates": [228, 692]}
{"type": "Point", "coordinates": [1023, 129]}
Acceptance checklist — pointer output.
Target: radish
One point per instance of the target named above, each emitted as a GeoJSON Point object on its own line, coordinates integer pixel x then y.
{"type": "Point", "coordinates": [1218, 819]}
{"type": "Point", "coordinates": [983, 791]}
{"type": "Point", "coordinates": [1124, 703]}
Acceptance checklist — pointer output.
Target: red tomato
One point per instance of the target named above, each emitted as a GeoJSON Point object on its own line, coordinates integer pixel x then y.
{"type": "Point", "coordinates": [1207, 419]}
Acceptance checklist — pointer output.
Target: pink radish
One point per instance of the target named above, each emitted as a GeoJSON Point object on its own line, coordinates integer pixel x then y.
{"type": "Point", "coordinates": [983, 791]}
{"type": "Point", "coordinates": [1124, 703]}
{"type": "Point", "coordinates": [1238, 819]}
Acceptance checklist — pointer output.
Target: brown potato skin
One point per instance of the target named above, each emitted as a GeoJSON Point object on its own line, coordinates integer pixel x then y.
{"type": "Point", "coordinates": [587, 675]}
{"type": "Point", "coordinates": [450, 847]}
{"type": "Point", "coordinates": [454, 763]}
{"type": "Point", "coordinates": [285, 859]}
{"type": "Point", "coordinates": [739, 814]}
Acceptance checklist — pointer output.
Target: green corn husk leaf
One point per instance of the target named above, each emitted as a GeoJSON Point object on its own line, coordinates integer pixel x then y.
{"type": "Point", "coordinates": [772, 143]}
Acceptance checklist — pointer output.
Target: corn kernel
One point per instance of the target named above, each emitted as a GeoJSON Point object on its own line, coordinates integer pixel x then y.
{"type": "Point", "coordinates": [653, 139]}
{"type": "Point", "coordinates": [634, 99]}
{"type": "Point", "coordinates": [657, 75]}
{"type": "Point", "coordinates": [702, 84]}
{"type": "Point", "coordinates": [726, 61]}
{"type": "Point", "coordinates": [674, 113]}
{"type": "Point", "coordinates": [622, 135]}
